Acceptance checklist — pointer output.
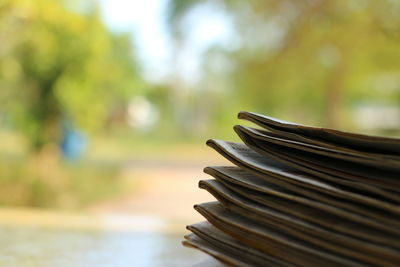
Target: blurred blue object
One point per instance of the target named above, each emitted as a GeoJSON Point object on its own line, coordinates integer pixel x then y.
{"type": "Point", "coordinates": [73, 143]}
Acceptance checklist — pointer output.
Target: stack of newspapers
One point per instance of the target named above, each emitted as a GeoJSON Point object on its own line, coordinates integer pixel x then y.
{"type": "Point", "coordinates": [300, 195]}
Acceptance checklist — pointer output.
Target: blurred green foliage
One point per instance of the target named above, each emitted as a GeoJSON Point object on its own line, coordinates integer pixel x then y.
{"type": "Point", "coordinates": [306, 61]}
{"type": "Point", "coordinates": [313, 62]}
{"type": "Point", "coordinates": [57, 64]}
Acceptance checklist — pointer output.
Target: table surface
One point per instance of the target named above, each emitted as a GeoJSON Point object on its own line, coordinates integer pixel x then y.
{"type": "Point", "coordinates": [33, 246]}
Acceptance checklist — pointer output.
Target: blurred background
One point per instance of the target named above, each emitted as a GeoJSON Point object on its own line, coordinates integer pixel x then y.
{"type": "Point", "coordinates": [106, 106]}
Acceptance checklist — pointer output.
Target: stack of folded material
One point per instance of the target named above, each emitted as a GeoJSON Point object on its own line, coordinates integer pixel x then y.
{"type": "Point", "coordinates": [301, 195]}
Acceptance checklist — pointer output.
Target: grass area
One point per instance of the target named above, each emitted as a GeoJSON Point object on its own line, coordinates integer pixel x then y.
{"type": "Point", "coordinates": [24, 182]}
{"type": "Point", "coordinates": [47, 181]}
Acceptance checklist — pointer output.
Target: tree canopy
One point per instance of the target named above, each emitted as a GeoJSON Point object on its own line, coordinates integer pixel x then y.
{"type": "Point", "coordinates": [311, 61]}
{"type": "Point", "coordinates": [58, 64]}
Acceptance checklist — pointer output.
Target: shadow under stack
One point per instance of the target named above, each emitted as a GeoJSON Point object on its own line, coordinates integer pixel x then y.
{"type": "Point", "coordinates": [301, 196]}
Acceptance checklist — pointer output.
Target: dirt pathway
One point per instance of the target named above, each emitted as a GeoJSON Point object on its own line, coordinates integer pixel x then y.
{"type": "Point", "coordinates": [165, 191]}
